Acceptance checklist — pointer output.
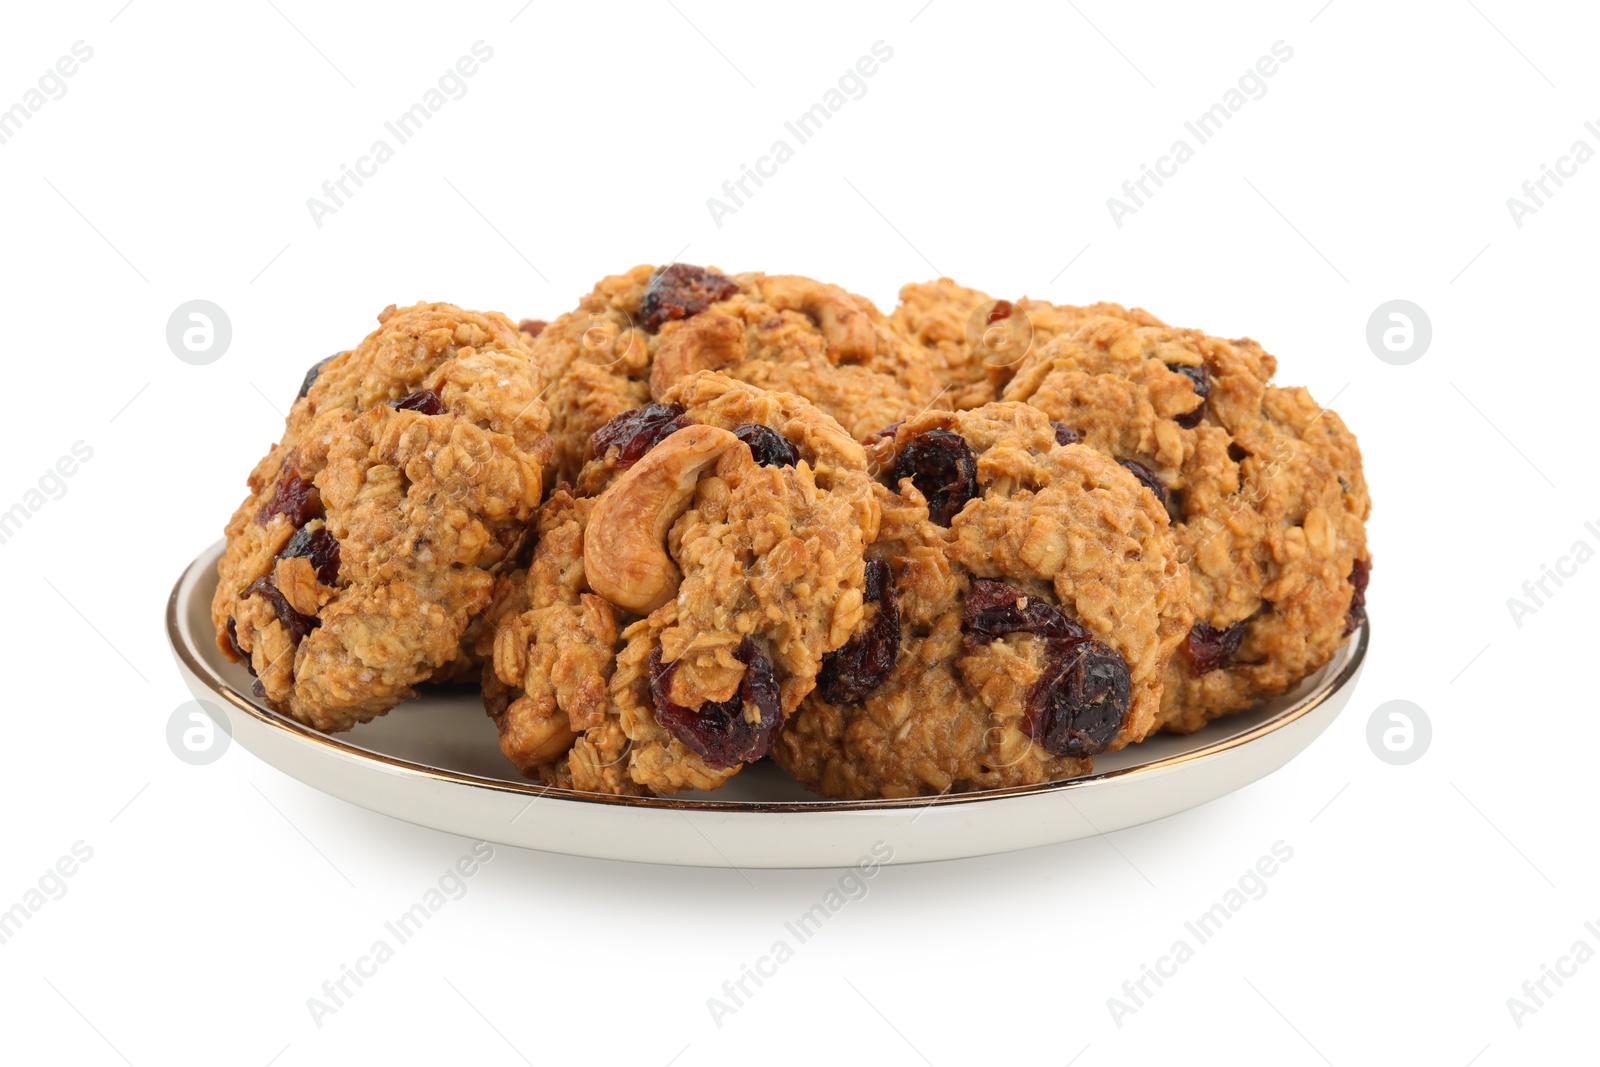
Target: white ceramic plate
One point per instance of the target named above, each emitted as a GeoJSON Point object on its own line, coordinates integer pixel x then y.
{"type": "Point", "coordinates": [434, 761]}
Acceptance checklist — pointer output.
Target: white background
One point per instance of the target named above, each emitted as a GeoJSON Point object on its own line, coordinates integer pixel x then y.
{"type": "Point", "coordinates": [1377, 166]}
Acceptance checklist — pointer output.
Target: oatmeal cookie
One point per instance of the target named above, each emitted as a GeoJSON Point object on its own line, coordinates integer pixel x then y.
{"type": "Point", "coordinates": [1264, 487]}
{"type": "Point", "coordinates": [404, 480]}
{"type": "Point", "coordinates": [1024, 597]}
{"type": "Point", "coordinates": [681, 600]}
{"type": "Point", "coordinates": [975, 342]}
{"type": "Point", "coordinates": [637, 334]}
{"type": "Point", "coordinates": [551, 653]}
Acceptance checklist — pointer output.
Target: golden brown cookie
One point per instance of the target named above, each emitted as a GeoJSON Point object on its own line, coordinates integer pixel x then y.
{"type": "Point", "coordinates": [976, 342]}
{"type": "Point", "coordinates": [637, 334]}
{"type": "Point", "coordinates": [1023, 597]}
{"type": "Point", "coordinates": [407, 471]}
{"type": "Point", "coordinates": [551, 656]}
{"type": "Point", "coordinates": [1264, 487]}
{"type": "Point", "coordinates": [679, 609]}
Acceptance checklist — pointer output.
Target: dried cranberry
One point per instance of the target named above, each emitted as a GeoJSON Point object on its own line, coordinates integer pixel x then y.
{"type": "Point", "coordinates": [1001, 310]}
{"type": "Point", "coordinates": [767, 446]}
{"type": "Point", "coordinates": [297, 624]}
{"type": "Point", "coordinates": [636, 431]}
{"type": "Point", "coordinates": [1360, 572]}
{"type": "Point", "coordinates": [1076, 707]}
{"type": "Point", "coordinates": [312, 374]}
{"type": "Point", "coordinates": [423, 402]}
{"type": "Point", "coordinates": [1065, 435]}
{"type": "Point", "coordinates": [1200, 378]}
{"type": "Point", "coordinates": [863, 662]}
{"type": "Point", "coordinates": [1147, 478]}
{"type": "Point", "coordinates": [1209, 648]}
{"type": "Point", "coordinates": [994, 609]}
{"type": "Point", "coordinates": [293, 497]}
{"type": "Point", "coordinates": [320, 547]}
{"type": "Point", "coordinates": [718, 730]}
{"type": "Point", "coordinates": [679, 291]}
{"type": "Point", "coordinates": [532, 327]}
{"type": "Point", "coordinates": [944, 470]}
{"type": "Point", "coordinates": [887, 432]}
{"type": "Point", "coordinates": [233, 643]}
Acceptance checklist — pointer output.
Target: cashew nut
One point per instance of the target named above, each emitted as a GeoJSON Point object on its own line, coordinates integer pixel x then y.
{"type": "Point", "coordinates": [702, 342]}
{"type": "Point", "coordinates": [535, 732]}
{"type": "Point", "coordinates": [624, 553]}
{"type": "Point", "coordinates": [846, 327]}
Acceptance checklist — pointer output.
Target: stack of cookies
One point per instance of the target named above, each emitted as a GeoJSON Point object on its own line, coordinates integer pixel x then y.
{"type": "Point", "coordinates": [705, 519]}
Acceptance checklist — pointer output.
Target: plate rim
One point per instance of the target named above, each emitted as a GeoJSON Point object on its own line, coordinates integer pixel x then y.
{"type": "Point", "coordinates": [189, 660]}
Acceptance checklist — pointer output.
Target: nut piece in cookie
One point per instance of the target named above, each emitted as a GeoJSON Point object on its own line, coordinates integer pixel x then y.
{"type": "Point", "coordinates": [1264, 487]}
{"type": "Point", "coordinates": [682, 597]}
{"type": "Point", "coordinates": [553, 647]}
{"type": "Point", "coordinates": [1023, 600]}
{"type": "Point", "coordinates": [638, 334]}
{"type": "Point", "coordinates": [975, 342]}
{"type": "Point", "coordinates": [374, 529]}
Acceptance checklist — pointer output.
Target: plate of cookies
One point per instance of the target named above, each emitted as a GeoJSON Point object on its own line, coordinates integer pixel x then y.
{"type": "Point", "coordinates": [738, 570]}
